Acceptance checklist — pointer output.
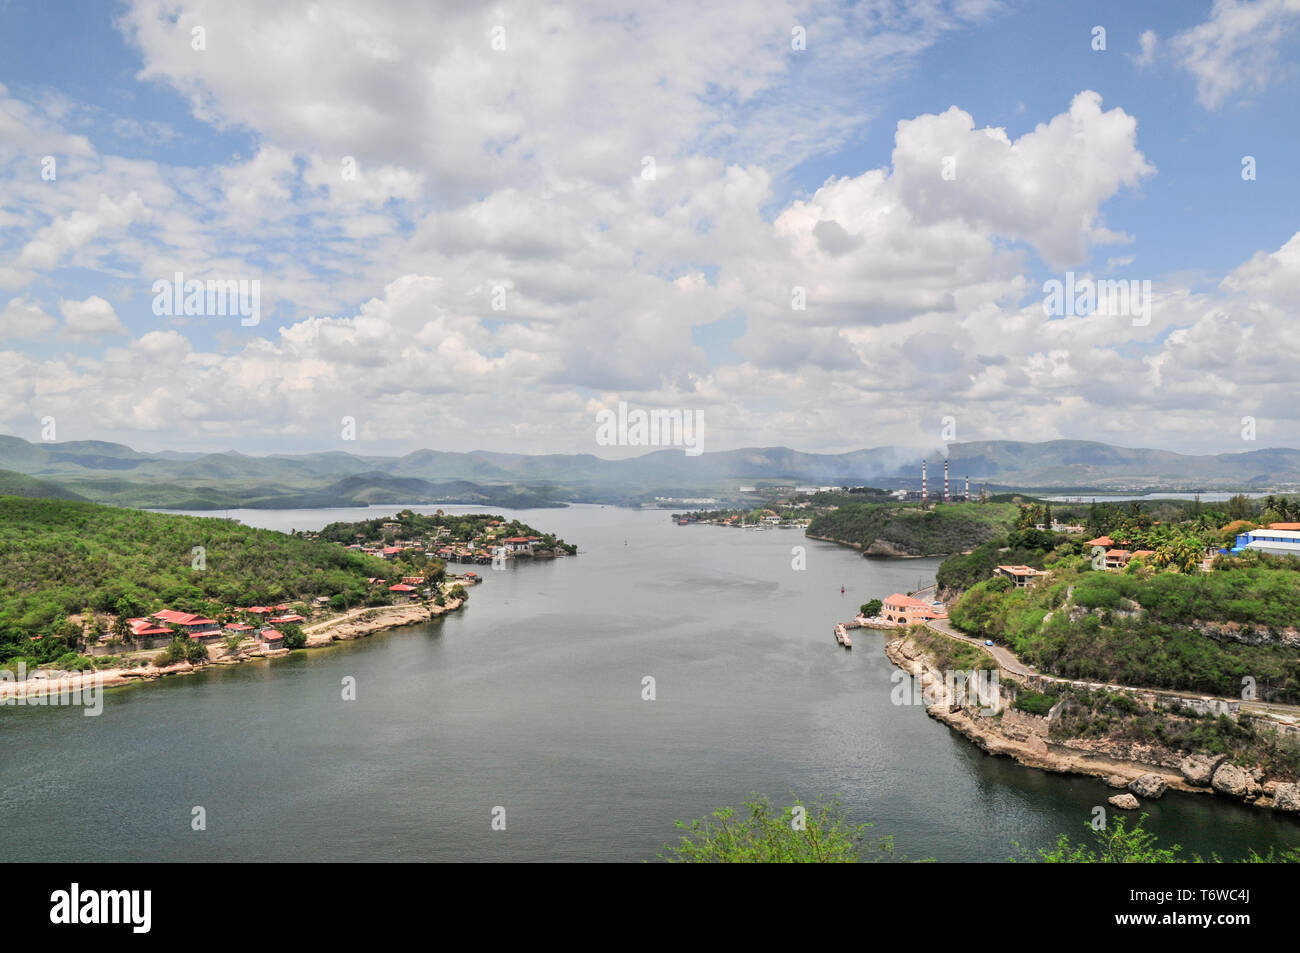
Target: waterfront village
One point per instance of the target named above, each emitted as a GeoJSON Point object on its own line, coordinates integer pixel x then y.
{"type": "Point", "coordinates": [417, 546]}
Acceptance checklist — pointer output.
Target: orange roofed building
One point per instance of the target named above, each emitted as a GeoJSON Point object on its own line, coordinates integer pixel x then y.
{"type": "Point", "coordinates": [905, 610]}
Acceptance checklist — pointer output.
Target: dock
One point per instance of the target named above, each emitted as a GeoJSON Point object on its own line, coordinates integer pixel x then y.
{"type": "Point", "coordinates": [842, 636]}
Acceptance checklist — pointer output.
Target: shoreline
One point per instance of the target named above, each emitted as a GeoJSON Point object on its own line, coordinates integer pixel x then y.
{"type": "Point", "coordinates": [360, 623]}
{"type": "Point", "coordinates": [1024, 738]}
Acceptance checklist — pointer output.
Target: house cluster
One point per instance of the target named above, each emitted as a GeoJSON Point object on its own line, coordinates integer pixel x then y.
{"type": "Point", "coordinates": [156, 629]}
{"type": "Point", "coordinates": [480, 549]}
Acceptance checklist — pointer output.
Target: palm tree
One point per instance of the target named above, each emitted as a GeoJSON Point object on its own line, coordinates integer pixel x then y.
{"type": "Point", "coordinates": [1164, 555]}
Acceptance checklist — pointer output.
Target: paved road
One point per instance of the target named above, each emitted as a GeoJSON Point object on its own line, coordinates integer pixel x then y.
{"type": "Point", "coordinates": [1004, 657]}
{"type": "Point", "coordinates": [1009, 662]}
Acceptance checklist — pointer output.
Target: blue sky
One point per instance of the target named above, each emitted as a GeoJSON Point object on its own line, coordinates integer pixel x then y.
{"type": "Point", "coordinates": [501, 267]}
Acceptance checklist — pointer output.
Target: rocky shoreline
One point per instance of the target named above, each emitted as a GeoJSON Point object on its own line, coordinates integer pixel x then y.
{"type": "Point", "coordinates": [1147, 771]}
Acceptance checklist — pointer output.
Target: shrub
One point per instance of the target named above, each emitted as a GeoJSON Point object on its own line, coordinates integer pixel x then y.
{"type": "Point", "coordinates": [1036, 703]}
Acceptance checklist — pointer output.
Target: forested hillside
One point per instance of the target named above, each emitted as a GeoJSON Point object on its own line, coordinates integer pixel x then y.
{"type": "Point", "coordinates": [58, 558]}
{"type": "Point", "coordinates": [905, 529]}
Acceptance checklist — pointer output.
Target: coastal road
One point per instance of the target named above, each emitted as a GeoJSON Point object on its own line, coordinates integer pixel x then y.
{"type": "Point", "coordinates": [1004, 657]}
{"type": "Point", "coordinates": [1010, 663]}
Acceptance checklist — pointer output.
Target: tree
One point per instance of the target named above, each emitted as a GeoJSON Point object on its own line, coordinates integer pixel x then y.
{"type": "Point", "coordinates": [121, 629]}
{"type": "Point", "coordinates": [1239, 508]}
{"type": "Point", "coordinates": [293, 636]}
{"type": "Point", "coordinates": [819, 834]}
{"type": "Point", "coordinates": [872, 608]}
{"type": "Point", "coordinates": [1113, 844]}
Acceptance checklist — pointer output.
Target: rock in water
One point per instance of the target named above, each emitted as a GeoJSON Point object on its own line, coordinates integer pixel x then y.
{"type": "Point", "coordinates": [1117, 781]}
{"type": "Point", "coordinates": [1234, 781]}
{"type": "Point", "coordinates": [1150, 786]}
{"type": "Point", "coordinates": [1199, 769]}
{"type": "Point", "coordinates": [1125, 802]}
{"type": "Point", "coordinates": [1287, 798]}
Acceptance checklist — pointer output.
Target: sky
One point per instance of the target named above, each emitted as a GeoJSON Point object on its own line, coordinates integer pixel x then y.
{"type": "Point", "coordinates": [816, 225]}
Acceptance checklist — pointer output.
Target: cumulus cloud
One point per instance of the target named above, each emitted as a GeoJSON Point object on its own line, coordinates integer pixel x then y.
{"type": "Point", "coordinates": [24, 320]}
{"type": "Point", "coordinates": [90, 318]}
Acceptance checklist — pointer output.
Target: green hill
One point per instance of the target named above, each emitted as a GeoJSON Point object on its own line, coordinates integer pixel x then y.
{"type": "Point", "coordinates": [18, 484]}
{"type": "Point", "coordinates": [1201, 632]}
{"type": "Point", "coordinates": [905, 529]}
{"type": "Point", "coordinates": [58, 558]}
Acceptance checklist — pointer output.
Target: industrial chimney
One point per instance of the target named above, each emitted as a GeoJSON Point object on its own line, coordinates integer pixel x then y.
{"type": "Point", "coordinates": [945, 482]}
{"type": "Point", "coordinates": [922, 481]}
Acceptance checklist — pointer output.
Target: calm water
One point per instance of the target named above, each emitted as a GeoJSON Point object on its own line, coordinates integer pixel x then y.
{"type": "Point", "coordinates": [531, 700]}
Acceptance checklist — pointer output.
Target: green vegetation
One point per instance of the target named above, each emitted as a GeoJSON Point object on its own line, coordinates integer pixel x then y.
{"type": "Point", "coordinates": [950, 654]}
{"type": "Point", "coordinates": [60, 558]}
{"type": "Point", "coordinates": [19, 484]}
{"type": "Point", "coordinates": [437, 530]}
{"type": "Point", "coordinates": [819, 834]}
{"type": "Point", "coordinates": [822, 834]}
{"type": "Point", "coordinates": [908, 529]}
{"type": "Point", "coordinates": [1118, 716]}
{"type": "Point", "coordinates": [1036, 703]}
{"type": "Point", "coordinates": [293, 635]}
{"type": "Point", "coordinates": [871, 608]}
{"type": "Point", "coordinates": [181, 649]}
{"type": "Point", "coordinates": [1149, 629]}
{"type": "Point", "coordinates": [1118, 843]}
{"type": "Point", "coordinates": [1027, 547]}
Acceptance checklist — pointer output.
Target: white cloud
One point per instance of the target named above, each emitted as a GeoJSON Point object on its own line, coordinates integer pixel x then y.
{"type": "Point", "coordinates": [24, 320]}
{"type": "Point", "coordinates": [1236, 51]}
{"type": "Point", "coordinates": [58, 238]}
{"type": "Point", "coordinates": [1147, 43]}
{"type": "Point", "coordinates": [90, 318]}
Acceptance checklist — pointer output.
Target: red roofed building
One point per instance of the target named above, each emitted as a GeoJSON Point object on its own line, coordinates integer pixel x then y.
{"type": "Point", "coordinates": [193, 625]}
{"type": "Point", "coordinates": [1101, 541]}
{"type": "Point", "coordinates": [271, 638]}
{"type": "Point", "coordinates": [401, 587]}
{"type": "Point", "coordinates": [908, 611]}
{"type": "Point", "coordinates": [1117, 558]}
{"type": "Point", "coordinates": [259, 610]}
{"type": "Point", "coordinates": [285, 619]}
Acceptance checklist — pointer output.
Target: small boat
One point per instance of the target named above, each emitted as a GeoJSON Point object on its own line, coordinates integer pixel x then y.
{"type": "Point", "coordinates": [841, 590]}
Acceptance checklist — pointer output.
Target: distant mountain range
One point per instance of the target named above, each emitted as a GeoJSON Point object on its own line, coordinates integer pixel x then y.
{"type": "Point", "coordinates": [114, 473]}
